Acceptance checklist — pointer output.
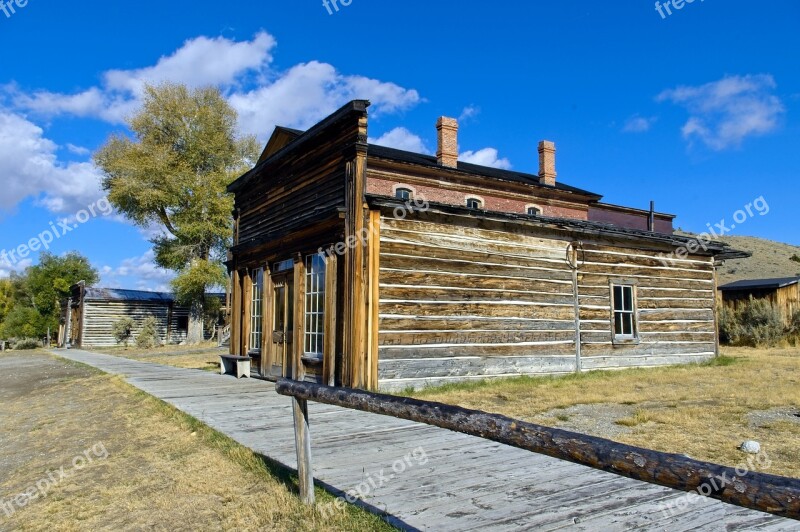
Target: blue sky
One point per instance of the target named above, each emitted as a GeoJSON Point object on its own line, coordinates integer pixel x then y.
{"type": "Point", "coordinates": [696, 110]}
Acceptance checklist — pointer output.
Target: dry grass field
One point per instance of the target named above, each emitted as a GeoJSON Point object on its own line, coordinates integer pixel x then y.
{"type": "Point", "coordinates": [152, 467]}
{"type": "Point", "coordinates": [203, 356]}
{"type": "Point", "coordinates": [704, 411]}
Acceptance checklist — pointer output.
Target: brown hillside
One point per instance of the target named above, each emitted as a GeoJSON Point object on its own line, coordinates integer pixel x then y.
{"type": "Point", "coordinates": [770, 259]}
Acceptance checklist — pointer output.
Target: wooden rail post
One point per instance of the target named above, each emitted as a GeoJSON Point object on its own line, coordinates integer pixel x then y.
{"type": "Point", "coordinates": [758, 491]}
{"type": "Point", "coordinates": [302, 441]}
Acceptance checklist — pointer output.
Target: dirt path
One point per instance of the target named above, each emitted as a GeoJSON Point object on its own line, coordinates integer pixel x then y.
{"type": "Point", "coordinates": [82, 450]}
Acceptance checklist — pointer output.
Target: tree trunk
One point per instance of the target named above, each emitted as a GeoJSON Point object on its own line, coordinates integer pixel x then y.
{"type": "Point", "coordinates": [195, 333]}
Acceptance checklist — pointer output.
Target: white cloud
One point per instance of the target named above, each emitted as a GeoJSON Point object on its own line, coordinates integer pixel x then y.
{"type": "Point", "coordinates": [30, 168]}
{"type": "Point", "coordinates": [7, 268]}
{"type": "Point", "coordinates": [297, 97]}
{"type": "Point", "coordinates": [469, 111]}
{"type": "Point", "coordinates": [402, 139]}
{"type": "Point", "coordinates": [723, 113]}
{"type": "Point", "coordinates": [485, 157]}
{"type": "Point", "coordinates": [77, 150]}
{"type": "Point", "coordinates": [199, 62]}
{"type": "Point", "coordinates": [308, 92]}
{"type": "Point", "coordinates": [137, 273]}
{"type": "Point", "coordinates": [638, 124]}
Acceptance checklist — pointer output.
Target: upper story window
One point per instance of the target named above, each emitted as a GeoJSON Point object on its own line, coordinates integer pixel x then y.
{"type": "Point", "coordinates": [534, 211]}
{"type": "Point", "coordinates": [474, 203]}
{"type": "Point", "coordinates": [623, 305]}
{"type": "Point", "coordinates": [403, 193]}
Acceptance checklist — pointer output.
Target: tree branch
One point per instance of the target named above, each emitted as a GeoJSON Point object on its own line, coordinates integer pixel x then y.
{"type": "Point", "coordinates": [162, 213]}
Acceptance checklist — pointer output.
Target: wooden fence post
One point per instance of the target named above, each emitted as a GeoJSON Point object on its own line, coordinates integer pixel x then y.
{"type": "Point", "coordinates": [302, 441]}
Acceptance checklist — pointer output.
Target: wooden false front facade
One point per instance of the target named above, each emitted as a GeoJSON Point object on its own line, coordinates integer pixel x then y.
{"type": "Point", "coordinates": [336, 281]}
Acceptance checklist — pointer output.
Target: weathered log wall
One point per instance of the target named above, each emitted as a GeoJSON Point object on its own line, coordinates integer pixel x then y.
{"type": "Point", "coordinates": [100, 316]}
{"type": "Point", "coordinates": [463, 302]}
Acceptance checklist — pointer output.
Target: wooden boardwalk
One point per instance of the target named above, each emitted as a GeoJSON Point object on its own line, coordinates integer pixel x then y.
{"type": "Point", "coordinates": [424, 477]}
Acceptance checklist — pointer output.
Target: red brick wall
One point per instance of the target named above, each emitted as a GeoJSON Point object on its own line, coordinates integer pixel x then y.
{"type": "Point", "coordinates": [629, 220]}
{"type": "Point", "coordinates": [385, 187]}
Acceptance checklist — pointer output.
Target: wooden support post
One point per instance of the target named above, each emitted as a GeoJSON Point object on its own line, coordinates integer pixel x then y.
{"type": "Point", "coordinates": [302, 441]}
{"type": "Point", "coordinates": [572, 252]}
{"type": "Point", "coordinates": [373, 299]}
{"type": "Point", "coordinates": [716, 308]}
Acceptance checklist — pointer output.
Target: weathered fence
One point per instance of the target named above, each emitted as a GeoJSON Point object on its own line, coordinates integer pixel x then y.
{"type": "Point", "coordinates": [758, 491]}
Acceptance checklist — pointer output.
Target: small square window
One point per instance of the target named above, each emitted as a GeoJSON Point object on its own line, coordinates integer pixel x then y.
{"type": "Point", "coordinates": [474, 203]}
{"type": "Point", "coordinates": [534, 211]}
{"type": "Point", "coordinates": [623, 304]}
{"type": "Point", "coordinates": [403, 193]}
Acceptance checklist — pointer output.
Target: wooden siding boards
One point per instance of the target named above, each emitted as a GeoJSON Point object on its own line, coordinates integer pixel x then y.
{"type": "Point", "coordinates": [456, 293]}
{"type": "Point", "coordinates": [460, 301]}
{"type": "Point", "coordinates": [784, 298]}
{"type": "Point", "coordinates": [306, 194]}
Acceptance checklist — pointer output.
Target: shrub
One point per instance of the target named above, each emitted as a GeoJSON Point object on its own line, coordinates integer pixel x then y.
{"type": "Point", "coordinates": [123, 330]}
{"type": "Point", "coordinates": [794, 328]}
{"type": "Point", "coordinates": [755, 323]}
{"type": "Point", "coordinates": [148, 336]}
{"type": "Point", "coordinates": [729, 330]}
{"type": "Point", "coordinates": [27, 343]}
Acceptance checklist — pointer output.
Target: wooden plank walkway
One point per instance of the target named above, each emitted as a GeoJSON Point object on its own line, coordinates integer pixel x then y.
{"type": "Point", "coordinates": [424, 477]}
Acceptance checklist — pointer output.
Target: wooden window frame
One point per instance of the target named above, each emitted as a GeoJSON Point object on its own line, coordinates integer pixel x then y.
{"type": "Point", "coordinates": [314, 330]}
{"type": "Point", "coordinates": [256, 311]}
{"type": "Point", "coordinates": [530, 206]}
{"type": "Point", "coordinates": [482, 204]}
{"type": "Point", "coordinates": [618, 339]}
{"type": "Point", "coordinates": [398, 190]}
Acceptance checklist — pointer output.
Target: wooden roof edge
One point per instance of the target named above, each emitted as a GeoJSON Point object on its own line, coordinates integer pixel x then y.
{"type": "Point", "coordinates": [354, 106]}
{"type": "Point", "coordinates": [712, 248]}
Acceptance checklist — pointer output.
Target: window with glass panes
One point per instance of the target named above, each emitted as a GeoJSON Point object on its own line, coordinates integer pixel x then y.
{"type": "Point", "coordinates": [315, 305]}
{"type": "Point", "coordinates": [256, 310]}
{"type": "Point", "coordinates": [624, 311]}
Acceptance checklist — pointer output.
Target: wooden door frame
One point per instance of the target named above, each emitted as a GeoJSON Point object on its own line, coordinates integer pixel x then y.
{"type": "Point", "coordinates": [286, 277]}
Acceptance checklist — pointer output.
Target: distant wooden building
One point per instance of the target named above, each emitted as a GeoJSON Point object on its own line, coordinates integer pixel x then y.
{"type": "Point", "coordinates": [364, 266]}
{"type": "Point", "coordinates": [88, 316]}
{"type": "Point", "coordinates": [783, 294]}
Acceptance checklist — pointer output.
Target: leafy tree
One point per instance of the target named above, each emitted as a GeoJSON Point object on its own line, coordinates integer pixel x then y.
{"type": "Point", "coordinates": [23, 322]}
{"type": "Point", "coordinates": [37, 294]}
{"type": "Point", "coordinates": [173, 173]}
{"type": "Point", "coordinates": [6, 298]}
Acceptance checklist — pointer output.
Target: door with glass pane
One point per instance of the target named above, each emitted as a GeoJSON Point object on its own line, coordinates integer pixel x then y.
{"type": "Point", "coordinates": [281, 340]}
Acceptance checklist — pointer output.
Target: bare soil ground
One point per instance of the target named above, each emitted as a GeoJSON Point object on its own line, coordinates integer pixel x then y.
{"type": "Point", "coordinates": [705, 411]}
{"type": "Point", "coordinates": [143, 466]}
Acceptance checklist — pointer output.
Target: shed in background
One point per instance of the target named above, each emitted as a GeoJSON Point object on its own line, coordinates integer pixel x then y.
{"type": "Point", "coordinates": [782, 293]}
{"type": "Point", "coordinates": [88, 316]}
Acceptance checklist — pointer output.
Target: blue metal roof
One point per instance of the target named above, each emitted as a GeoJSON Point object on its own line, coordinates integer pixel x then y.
{"type": "Point", "coordinates": [761, 284]}
{"type": "Point", "coordinates": [120, 294]}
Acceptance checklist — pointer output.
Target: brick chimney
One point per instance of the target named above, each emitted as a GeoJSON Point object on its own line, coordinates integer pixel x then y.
{"type": "Point", "coordinates": [447, 154]}
{"type": "Point", "coordinates": [547, 163]}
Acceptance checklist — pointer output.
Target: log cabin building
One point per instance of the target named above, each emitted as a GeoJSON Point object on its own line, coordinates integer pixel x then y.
{"type": "Point", "coordinates": [89, 314]}
{"type": "Point", "coordinates": [364, 266]}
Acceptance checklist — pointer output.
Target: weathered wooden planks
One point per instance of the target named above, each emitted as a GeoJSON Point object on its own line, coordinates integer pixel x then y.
{"type": "Point", "coordinates": [450, 290]}
{"type": "Point", "coordinates": [466, 483]}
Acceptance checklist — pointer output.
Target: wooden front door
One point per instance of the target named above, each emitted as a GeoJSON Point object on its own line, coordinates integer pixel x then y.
{"type": "Point", "coordinates": [281, 340]}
